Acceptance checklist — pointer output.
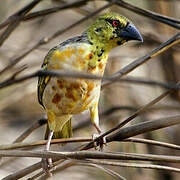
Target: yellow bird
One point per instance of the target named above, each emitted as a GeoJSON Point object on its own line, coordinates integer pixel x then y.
{"type": "Point", "coordinates": [87, 53]}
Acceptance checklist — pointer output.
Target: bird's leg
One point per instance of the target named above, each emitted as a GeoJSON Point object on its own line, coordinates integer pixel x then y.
{"type": "Point", "coordinates": [47, 162]}
{"type": "Point", "coordinates": [102, 141]}
{"type": "Point", "coordinates": [95, 120]}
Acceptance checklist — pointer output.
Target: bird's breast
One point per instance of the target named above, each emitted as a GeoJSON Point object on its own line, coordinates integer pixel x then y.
{"type": "Point", "coordinates": [78, 57]}
{"type": "Point", "coordinates": [69, 96]}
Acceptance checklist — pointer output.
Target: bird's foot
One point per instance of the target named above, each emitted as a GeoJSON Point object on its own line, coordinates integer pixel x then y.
{"type": "Point", "coordinates": [101, 142]}
{"type": "Point", "coordinates": [47, 165]}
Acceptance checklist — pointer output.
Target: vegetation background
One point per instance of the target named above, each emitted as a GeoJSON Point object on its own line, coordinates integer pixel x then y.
{"type": "Point", "coordinates": [19, 107]}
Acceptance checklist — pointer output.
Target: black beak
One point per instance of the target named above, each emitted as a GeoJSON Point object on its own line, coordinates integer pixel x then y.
{"type": "Point", "coordinates": [131, 33]}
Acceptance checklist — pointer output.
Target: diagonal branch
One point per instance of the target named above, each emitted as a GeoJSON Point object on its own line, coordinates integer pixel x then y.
{"type": "Point", "coordinates": [34, 126]}
{"type": "Point", "coordinates": [44, 12]}
{"type": "Point", "coordinates": [54, 9]}
{"type": "Point", "coordinates": [16, 20]}
{"type": "Point", "coordinates": [163, 47]}
{"type": "Point", "coordinates": [144, 127]}
{"type": "Point", "coordinates": [20, 12]}
{"type": "Point", "coordinates": [130, 118]}
{"type": "Point", "coordinates": [158, 17]}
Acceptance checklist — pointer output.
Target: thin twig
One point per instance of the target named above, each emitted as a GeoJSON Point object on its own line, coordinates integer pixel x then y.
{"type": "Point", "coordinates": [25, 9]}
{"type": "Point", "coordinates": [44, 12]}
{"type": "Point", "coordinates": [63, 165]}
{"type": "Point", "coordinates": [135, 80]}
{"type": "Point", "coordinates": [158, 17]}
{"type": "Point", "coordinates": [152, 142]}
{"type": "Point", "coordinates": [70, 163]}
{"type": "Point", "coordinates": [17, 19]}
{"type": "Point", "coordinates": [23, 172]}
{"type": "Point", "coordinates": [34, 126]}
{"type": "Point", "coordinates": [106, 170]}
{"type": "Point", "coordinates": [15, 60]}
{"type": "Point", "coordinates": [42, 142]}
{"type": "Point", "coordinates": [133, 165]}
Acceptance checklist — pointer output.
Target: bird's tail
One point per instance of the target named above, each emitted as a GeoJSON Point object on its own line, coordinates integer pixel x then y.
{"type": "Point", "coordinates": [61, 130]}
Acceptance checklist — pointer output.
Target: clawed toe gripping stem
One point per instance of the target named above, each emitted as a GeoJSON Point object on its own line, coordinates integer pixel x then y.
{"type": "Point", "coordinates": [101, 142]}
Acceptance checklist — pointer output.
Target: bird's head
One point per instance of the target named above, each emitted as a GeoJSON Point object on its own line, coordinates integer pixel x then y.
{"type": "Point", "coordinates": [112, 30]}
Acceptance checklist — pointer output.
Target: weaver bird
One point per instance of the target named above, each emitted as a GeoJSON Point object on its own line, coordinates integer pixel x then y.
{"type": "Point", "coordinates": [87, 53]}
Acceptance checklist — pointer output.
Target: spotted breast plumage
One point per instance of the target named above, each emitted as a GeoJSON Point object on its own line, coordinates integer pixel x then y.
{"type": "Point", "coordinates": [88, 53]}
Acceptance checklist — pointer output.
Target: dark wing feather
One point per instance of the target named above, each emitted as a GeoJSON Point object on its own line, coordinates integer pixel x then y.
{"type": "Point", "coordinates": [43, 81]}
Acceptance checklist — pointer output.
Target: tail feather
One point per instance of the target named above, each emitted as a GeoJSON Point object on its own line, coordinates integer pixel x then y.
{"type": "Point", "coordinates": [65, 132]}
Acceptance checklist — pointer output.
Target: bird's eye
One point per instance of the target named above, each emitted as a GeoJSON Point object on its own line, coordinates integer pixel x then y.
{"type": "Point", "coordinates": [115, 23]}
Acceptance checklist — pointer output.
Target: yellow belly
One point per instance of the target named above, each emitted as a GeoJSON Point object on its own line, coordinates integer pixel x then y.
{"type": "Point", "coordinates": [70, 96]}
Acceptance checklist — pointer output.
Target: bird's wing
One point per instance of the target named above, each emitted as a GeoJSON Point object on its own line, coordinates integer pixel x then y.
{"type": "Point", "coordinates": [43, 80]}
